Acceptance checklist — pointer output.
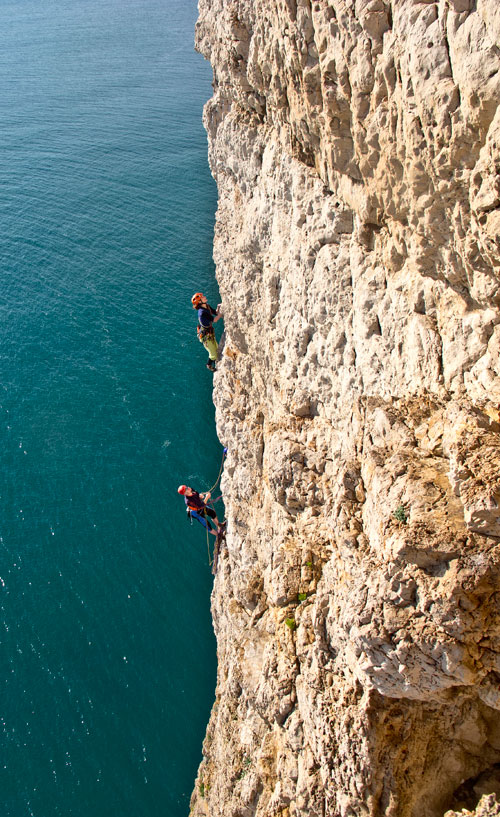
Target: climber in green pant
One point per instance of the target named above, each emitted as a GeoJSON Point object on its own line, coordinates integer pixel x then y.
{"type": "Point", "coordinates": [207, 316]}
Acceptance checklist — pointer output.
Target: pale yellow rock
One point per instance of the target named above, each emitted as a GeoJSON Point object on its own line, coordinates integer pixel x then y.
{"type": "Point", "coordinates": [355, 145]}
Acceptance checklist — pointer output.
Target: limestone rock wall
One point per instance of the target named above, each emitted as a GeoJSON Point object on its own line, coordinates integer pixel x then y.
{"type": "Point", "coordinates": [355, 145]}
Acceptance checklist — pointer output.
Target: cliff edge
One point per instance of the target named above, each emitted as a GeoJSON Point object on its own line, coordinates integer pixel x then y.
{"type": "Point", "coordinates": [356, 149]}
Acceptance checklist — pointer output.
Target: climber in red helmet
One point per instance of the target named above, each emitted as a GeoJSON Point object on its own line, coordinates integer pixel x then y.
{"type": "Point", "coordinates": [197, 508]}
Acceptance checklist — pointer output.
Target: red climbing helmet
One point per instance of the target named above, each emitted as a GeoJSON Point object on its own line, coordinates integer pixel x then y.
{"type": "Point", "coordinates": [197, 298]}
{"type": "Point", "coordinates": [181, 489]}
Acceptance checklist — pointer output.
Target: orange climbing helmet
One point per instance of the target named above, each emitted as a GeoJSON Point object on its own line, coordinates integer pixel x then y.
{"type": "Point", "coordinates": [197, 298]}
{"type": "Point", "coordinates": [181, 489]}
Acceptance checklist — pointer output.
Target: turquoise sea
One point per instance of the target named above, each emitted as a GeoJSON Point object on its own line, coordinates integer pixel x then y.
{"type": "Point", "coordinates": [107, 208]}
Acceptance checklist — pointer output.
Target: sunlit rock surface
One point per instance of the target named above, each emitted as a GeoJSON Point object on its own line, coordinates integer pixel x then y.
{"type": "Point", "coordinates": [355, 147]}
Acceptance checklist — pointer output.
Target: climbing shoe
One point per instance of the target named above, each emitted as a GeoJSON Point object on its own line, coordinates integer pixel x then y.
{"type": "Point", "coordinates": [211, 365]}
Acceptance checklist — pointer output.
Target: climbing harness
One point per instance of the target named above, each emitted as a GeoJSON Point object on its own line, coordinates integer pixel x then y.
{"type": "Point", "coordinates": [199, 510]}
{"type": "Point", "coordinates": [205, 333]}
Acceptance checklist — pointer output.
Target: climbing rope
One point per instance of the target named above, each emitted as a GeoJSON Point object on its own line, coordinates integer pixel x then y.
{"type": "Point", "coordinates": [208, 541]}
{"type": "Point", "coordinates": [208, 547]}
{"type": "Point", "coordinates": [224, 452]}
{"type": "Point", "coordinates": [210, 504]}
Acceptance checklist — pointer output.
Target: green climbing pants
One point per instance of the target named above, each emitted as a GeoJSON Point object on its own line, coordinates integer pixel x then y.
{"type": "Point", "coordinates": [211, 346]}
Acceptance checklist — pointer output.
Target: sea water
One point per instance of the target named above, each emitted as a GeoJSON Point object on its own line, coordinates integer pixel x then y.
{"type": "Point", "coordinates": [107, 207]}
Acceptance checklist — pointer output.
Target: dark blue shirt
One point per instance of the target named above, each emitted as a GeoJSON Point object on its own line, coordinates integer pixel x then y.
{"type": "Point", "coordinates": [194, 501]}
{"type": "Point", "coordinates": [206, 316]}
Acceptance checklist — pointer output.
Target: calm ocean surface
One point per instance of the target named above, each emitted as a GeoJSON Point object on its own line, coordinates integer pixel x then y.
{"type": "Point", "coordinates": [107, 206]}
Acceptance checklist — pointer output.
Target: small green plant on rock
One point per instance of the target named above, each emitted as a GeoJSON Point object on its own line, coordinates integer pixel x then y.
{"type": "Point", "coordinates": [302, 596]}
{"type": "Point", "coordinates": [247, 762]}
{"type": "Point", "coordinates": [400, 514]}
{"type": "Point", "coordinates": [290, 622]}
{"type": "Point", "coordinates": [201, 789]}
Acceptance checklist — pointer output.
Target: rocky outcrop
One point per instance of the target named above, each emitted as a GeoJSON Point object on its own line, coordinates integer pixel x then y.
{"type": "Point", "coordinates": [487, 807]}
{"type": "Point", "coordinates": [355, 145]}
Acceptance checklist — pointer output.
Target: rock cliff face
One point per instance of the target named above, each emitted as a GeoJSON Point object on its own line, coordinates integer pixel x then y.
{"type": "Point", "coordinates": [356, 149]}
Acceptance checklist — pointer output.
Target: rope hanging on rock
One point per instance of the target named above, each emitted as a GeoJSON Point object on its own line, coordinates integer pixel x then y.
{"type": "Point", "coordinates": [224, 452]}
